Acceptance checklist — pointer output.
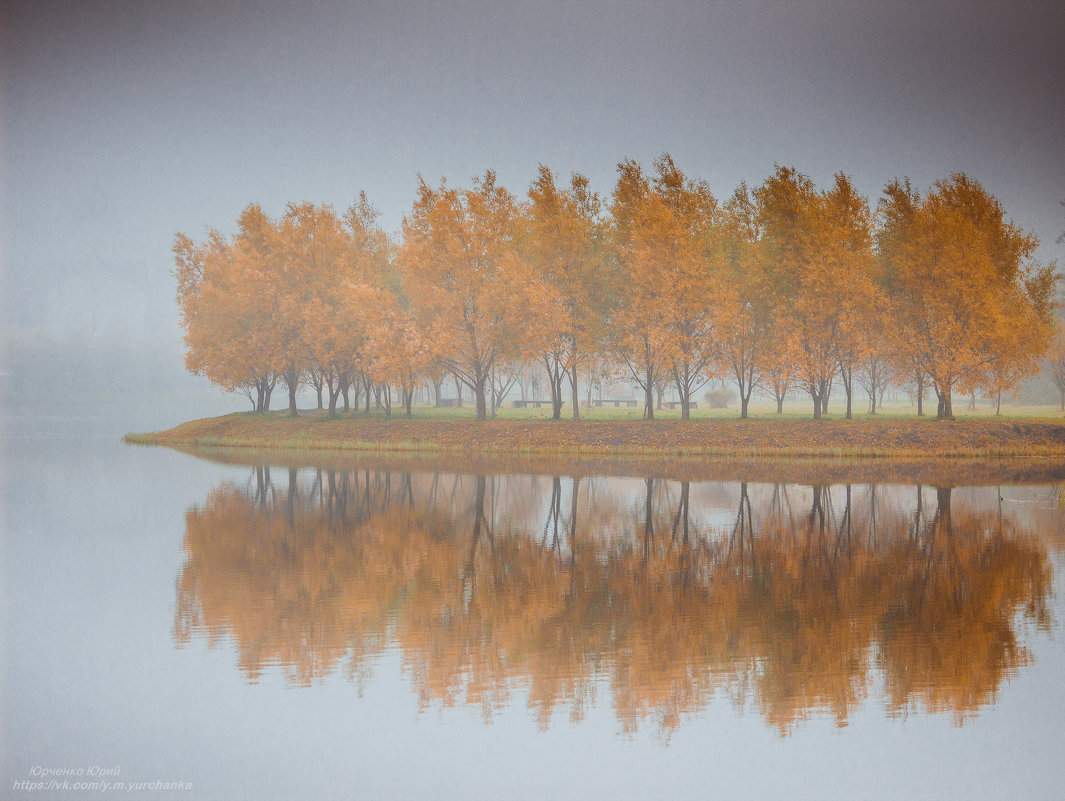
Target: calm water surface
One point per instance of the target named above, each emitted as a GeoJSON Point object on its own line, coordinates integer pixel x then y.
{"type": "Point", "coordinates": [258, 632]}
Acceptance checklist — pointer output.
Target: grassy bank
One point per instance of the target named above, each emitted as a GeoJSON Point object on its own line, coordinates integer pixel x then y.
{"type": "Point", "coordinates": [892, 437]}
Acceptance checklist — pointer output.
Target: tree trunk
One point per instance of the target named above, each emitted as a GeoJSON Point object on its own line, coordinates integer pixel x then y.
{"type": "Point", "coordinates": [409, 402]}
{"type": "Point", "coordinates": [847, 376]}
{"type": "Point", "coordinates": [436, 392]}
{"type": "Point", "coordinates": [945, 410]}
{"type": "Point", "coordinates": [292, 381]}
{"type": "Point", "coordinates": [458, 391]}
{"type": "Point", "coordinates": [345, 384]}
{"type": "Point", "coordinates": [573, 392]}
{"type": "Point", "coordinates": [920, 395]}
{"type": "Point", "coordinates": [260, 394]}
{"type": "Point", "coordinates": [682, 381]}
{"type": "Point", "coordinates": [744, 400]}
{"type": "Point", "coordinates": [334, 394]}
{"type": "Point", "coordinates": [554, 381]}
{"type": "Point", "coordinates": [649, 397]}
{"type": "Point", "coordinates": [492, 392]}
{"type": "Point", "coordinates": [816, 395]}
{"type": "Point", "coordinates": [998, 403]}
{"type": "Point", "coordinates": [482, 406]}
{"type": "Point", "coordinates": [266, 400]}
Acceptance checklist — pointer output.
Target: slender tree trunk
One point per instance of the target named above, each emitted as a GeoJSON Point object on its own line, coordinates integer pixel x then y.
{"type": "Point", "coordinates": [410, 403]}
{"type": "Point", "coordinates": [649, 398]}
{"type": "Point", "coordinates": [1063, 400]}
{"type": "Point", "coordinates": [436, 392]}
{"type": "Point", "coordinates": [386, 391]}
{"type": "Point", "coordinates": [998, 403]}
{"type": "Point", "coordinates": [741, 385]}
{"type": "Point", "coordinates": [554, 381]}
{"type": "Point", "coordinates": [492, 391]}
{"type": "Point", "coordinates": [458, 391]}
{"type": "Point", "coordinates": [573, 392]}
{"type": "Point", "coordinates": [683, 384]}
{"type": "Point", "coordinates": [847, 376]}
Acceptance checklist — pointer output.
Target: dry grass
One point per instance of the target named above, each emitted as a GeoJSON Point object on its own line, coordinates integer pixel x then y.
{"type": "Point", "coordinates": [893, 437]}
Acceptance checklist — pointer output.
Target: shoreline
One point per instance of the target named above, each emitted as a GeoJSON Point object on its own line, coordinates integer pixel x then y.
{"type": "Point", "coordinates": [756, 438]}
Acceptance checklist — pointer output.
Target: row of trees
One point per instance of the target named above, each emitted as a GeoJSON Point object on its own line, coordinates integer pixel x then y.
{"type": "Point", "coordinates": [781, 287]}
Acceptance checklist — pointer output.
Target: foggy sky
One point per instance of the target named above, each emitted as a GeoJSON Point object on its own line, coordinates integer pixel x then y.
{"type": "Point", "coordinates": [123, 122]}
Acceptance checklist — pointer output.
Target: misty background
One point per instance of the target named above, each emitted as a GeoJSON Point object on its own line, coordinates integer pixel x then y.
{"type": "Point", "coordinates": [124, 122]}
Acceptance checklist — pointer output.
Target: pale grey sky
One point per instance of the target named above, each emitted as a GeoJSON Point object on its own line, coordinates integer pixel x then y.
{"type": "Point", "coordinates": [122, 122]}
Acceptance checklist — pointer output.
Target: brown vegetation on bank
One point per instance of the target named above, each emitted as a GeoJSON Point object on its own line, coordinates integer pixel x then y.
{"type": "Point", "coordinates": [667, 440]}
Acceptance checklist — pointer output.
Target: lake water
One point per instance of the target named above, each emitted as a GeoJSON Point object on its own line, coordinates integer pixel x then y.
{"type": "Point", "coordinates": [406, 629]}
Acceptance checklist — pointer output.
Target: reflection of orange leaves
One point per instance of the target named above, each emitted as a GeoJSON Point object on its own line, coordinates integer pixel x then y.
{"type": "Point", "coordinates": [789, 615]}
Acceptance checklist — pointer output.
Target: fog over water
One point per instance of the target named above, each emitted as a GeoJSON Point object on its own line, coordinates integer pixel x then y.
{"type": "Point", "coordinates": [185, 618]}
{"type": "Point", "coordinates": [124, 122]}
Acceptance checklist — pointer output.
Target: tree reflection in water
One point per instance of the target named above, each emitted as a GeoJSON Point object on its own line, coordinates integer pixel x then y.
{"type": "Point", "coordinates": [797, 600]}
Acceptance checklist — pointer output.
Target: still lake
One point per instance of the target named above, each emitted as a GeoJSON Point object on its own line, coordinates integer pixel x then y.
{"type": "Point", "coordinates": [375, 629]}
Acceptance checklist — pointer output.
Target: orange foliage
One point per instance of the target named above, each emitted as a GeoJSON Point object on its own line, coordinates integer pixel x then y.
{"type": "Point", "coordinates": [792, 612]}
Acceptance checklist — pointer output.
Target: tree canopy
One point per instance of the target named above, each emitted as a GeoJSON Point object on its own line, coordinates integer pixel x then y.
{"type": "Point", "coordinates": [782, 287]}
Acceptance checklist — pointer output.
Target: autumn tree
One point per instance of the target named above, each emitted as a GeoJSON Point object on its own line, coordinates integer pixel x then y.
{"type": "Point", "coordinates": [788, 212]}
{"type": "Point", "coordinates": [1056, 360]}
{"type": "Point", "coordinates": [680, 234]}
{"type": "Point", "coordinates": [564, 247]}
{"type": "Point", "coordinates": [746, 305]}
{"type": "Point", "coordinates": [398, 351]}
{"type": "Point", "coordinates": [661, 239]}
{"type": "Point", "coordinates": [466, 282]}
{"type": "Point", "coordinates": [226, 307]}
{"type": "Point", "coordinates": [970, 300]}
{"type": "Point", "coordinates": [339, 309]}
{"type": "Point", "coordinates": [846, 253]}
